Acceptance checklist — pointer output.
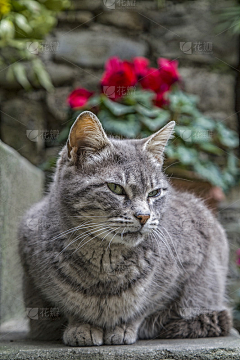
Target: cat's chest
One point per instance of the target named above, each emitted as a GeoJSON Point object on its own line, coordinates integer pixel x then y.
{"type": "Point", "coordinates": [103, 287]}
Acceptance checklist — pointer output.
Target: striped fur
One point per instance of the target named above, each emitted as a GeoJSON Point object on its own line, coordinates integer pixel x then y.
{"type": "Point", "coordinates": [113, 279]}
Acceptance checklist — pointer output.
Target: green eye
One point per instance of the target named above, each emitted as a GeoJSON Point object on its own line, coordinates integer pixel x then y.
{"type": "Point", "coordinates": [117, 189]}
{"type": "Point", "coordinates": [155, 193]}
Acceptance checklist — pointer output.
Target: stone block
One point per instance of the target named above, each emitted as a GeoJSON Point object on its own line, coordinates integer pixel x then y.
{"type": "Point", "coordinates": [92, 49]}
{"type": "Point", "coordinates": [57, 103]}
{"type": "Point", "coordinates": [79, 17]}
{"type": "Point", "coordinates": [123, 19]}
{"type": "Point", "coordinates": [13, 345]}
{"type": "Point", "coordinates": [21, 185]}
{"type": "Point", "coordinates": [192, 22]}
{"type": "Point", "coordinates": [19, 118]}
{"type": "Point", "coordinates": [215, 90]}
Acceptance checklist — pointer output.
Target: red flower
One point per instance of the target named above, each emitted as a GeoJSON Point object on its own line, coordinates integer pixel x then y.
{"type": "Point", "coordinates": [118, 77]}
{"type": "Point", "coordinates": [160, 99]}
{"type": "Point", "coordinates": [168, 71]}
{"type": "Point", "coordinates": [238, 257]}
{"type": "Point", "coordinates": [79, 97]}
{"type": "Point", "coordinates": [140, 66]}
{"type": "Point", "coordinates": [152, 80]}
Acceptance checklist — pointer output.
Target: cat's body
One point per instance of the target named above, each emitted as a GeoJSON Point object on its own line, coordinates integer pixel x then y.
{"type": "Point", "coordinates": [114, 279]}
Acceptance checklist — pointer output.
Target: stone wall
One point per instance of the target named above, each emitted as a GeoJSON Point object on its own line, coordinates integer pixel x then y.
{"type": "Point", "coordinates": [91, 31]}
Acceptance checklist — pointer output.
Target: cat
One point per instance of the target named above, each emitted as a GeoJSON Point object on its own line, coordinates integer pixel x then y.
{"type": "Point", "coordinates": [118, 251]}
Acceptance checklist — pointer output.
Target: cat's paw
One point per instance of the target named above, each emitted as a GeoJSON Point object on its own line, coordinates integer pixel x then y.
{"type": "Point", "coordinates": [120, 335]}
{"type": "Point", "coordinates": [83, 335]}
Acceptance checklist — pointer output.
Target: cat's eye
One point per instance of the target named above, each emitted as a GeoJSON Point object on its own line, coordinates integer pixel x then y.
{"type": "Point", "coordinates": [155, 193]}
{"type": "Point", "coordinates": [117, 189]}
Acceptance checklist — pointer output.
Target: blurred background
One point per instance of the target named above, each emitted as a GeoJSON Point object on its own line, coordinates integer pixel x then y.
{"type": "Point", "coordinates": [48, 48]}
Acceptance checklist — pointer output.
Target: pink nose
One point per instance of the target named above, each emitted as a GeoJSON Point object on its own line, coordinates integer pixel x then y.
{"type": "Point", "coordinates": [142, 218]}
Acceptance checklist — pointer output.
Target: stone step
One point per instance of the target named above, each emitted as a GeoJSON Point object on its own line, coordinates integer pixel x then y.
{"type": "Point", "coordinates": [16, 346]}
{"type": "Point", "coordinates": [21, 185]}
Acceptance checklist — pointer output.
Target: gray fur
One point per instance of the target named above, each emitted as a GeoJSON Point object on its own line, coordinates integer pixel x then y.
{"type": "Point", "coordinates": [112, 279]}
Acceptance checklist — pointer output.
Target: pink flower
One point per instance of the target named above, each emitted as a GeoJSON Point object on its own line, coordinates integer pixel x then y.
{"type": "Point", "coordinates": [168, 71]}
{"type": "Point", "coordinates": [79, 97]}
{"type": "Point", "coordinates": [120, 75]}
{"type": "Point", "coordinates": [238, 257]}
{"type": "Point", "coordinates": [140, 66]}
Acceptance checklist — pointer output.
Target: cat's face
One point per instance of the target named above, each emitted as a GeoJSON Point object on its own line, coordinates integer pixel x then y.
{"type": "Point", "coordinates": [114, 188]}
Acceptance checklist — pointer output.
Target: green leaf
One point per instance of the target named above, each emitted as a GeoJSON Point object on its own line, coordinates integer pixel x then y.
{"type": "Point", "coordinates": [94, 100]}
{"type": "Point", "coordinates": [232, 164]}
{"type": "Point", "coordinates": [42, 75]}
{"type": "Point", "coordinates": [170, 152]}
{"type": "Point", "coordinates": [183, 103]}
{"type": "Point", "coordinates": [56, 5]}
{"type": "Point", "coordinates": [142, 97]}
{"type": "Point", "coordinates": [156, 123]}
{"type": "Point", "coordinates": [186, 155]}
{"type": "Point", "coordinates": [211, 148]}
{"type": "Point", "coordinates": [116, 108]}
{"type": "Point", "coordinates": [128, 127]}
{"type": "Point", "coordinates": [205, 123]}
{"type": "Point", "coordinates": [7, 30]}
{"type": "Point", "coordinates": [210, 172]}
{"type": "Point", "coordinates": [21, 75]}
{"type": "Point", "coordinates": [32, 6]}
{"type": "Point", "coordinates": [153, 112]}
{"type": "Point", "coordinates": [227, 137]}
{"type": "Point", "coordinates": [22, 23]}
{"type": "Point", "coordinates": [184, 132]}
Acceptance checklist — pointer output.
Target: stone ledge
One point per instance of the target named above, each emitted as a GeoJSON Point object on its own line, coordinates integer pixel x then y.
{"type": "Point", "coordinates": [15, 346]}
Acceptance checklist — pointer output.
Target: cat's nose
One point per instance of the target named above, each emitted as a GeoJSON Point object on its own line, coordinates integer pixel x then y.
{"type": "Point", "coordinates": [143, 218]}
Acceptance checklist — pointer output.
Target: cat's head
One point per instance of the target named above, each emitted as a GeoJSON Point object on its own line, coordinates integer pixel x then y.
{"type": "Point", "coordinates": [114, 188]}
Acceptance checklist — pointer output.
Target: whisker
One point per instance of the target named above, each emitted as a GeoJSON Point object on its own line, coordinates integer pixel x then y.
{"type": "Point", "coordinates": [107, 234]}
{"type": "Point", "coordinates": [89, 240]}
{"type": "Point", "coordinates": [70, 230]}
{"type": "Point", "coordinates": [122, 233]}
{"type": "Point", "coordinates": [166, 244]}
{"type": "Point", "coordinates": [112, 239]}
{"type": "Point", "coordinates": [78, 237]}
{"type": "Point", "coordinates": [174, 248]}
{"type": "Point", "coordinates": [176, 162]}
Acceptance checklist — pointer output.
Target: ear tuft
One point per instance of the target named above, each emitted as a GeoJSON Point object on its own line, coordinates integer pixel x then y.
{"type": "Point", "coordinates": [86, 135]}
{"type": "Point", "coordinates": [156, 143]}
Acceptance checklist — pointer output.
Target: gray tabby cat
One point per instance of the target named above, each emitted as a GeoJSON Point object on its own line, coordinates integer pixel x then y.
{"type": "Point", "coordinates": [118, 251]}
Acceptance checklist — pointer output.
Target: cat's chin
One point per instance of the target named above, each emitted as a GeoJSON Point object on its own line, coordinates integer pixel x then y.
{"type": "Point", "coordinates": [129, 238]}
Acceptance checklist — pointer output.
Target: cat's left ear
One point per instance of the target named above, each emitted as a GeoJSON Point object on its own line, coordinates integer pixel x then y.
{"type": "Point", "coordinates": [86, 135]}
{"type": "Point", "coordinates": [156, 143]}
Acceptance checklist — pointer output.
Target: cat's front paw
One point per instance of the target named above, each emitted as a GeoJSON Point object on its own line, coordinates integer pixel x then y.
{"type": "Point", "coordinates": [83, 335]}
{"type": "Point", "coordinates": [120, 335]}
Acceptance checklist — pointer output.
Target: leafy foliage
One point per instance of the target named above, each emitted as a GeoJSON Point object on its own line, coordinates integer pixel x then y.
{"type": "Point", "coordinates": [201, 145]}
{"type": "Point", "coordinates": [230, 20]}
{"type": "Point", "coordinates": [24, 23]}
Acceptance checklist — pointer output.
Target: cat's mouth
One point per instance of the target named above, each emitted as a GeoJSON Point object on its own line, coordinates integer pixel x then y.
{"type": "Point", "coordinates": [127, 233]}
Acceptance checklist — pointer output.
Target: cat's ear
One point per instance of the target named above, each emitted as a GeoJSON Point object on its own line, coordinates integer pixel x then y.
{"type": "Point", "coordinates": [86, 135]}
{"type": "Point", "coordinates": [156, 143]}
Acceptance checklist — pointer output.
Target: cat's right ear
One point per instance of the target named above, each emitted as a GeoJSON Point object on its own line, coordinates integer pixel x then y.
{"type": "Point", "coordinates": [86, 136]}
